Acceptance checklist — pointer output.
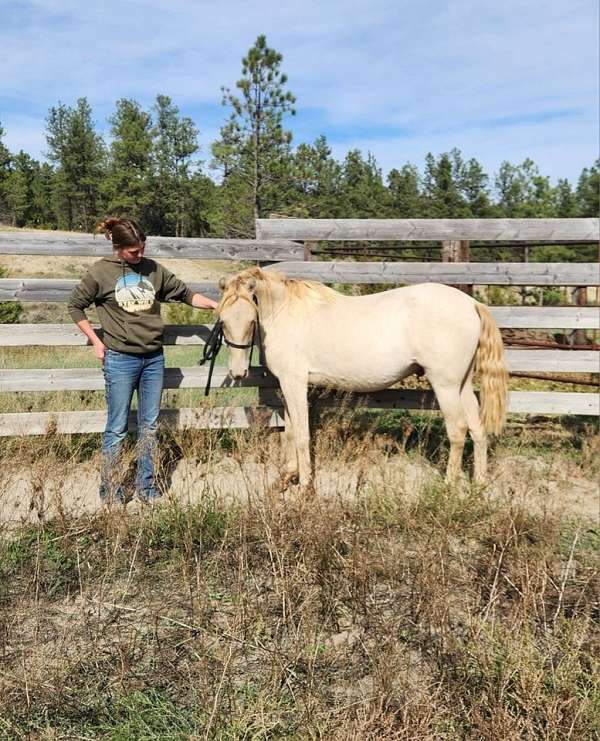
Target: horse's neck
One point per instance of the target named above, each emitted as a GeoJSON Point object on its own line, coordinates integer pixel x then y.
{"type": "Point", "coordinates": [271, 302]}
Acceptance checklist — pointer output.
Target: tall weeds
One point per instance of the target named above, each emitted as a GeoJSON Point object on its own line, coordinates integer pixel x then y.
{"type": "Point", "coordinates": [384, 606]}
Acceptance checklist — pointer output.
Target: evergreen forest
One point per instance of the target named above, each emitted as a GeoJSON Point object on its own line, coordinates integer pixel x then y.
{"type": "Point", "coordinates": [150, 167]}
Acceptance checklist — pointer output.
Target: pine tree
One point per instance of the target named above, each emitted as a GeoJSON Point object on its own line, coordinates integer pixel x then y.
{"type": "Point", "coordinates": [474, 185]}
{"type": "Point", "coordinates": [233, 216]}
{"type": "Point", "coordinates": [588, 191]}
{"type": "Point", "coordinates": [254, 148]}
{"type": "Point", "coordinates": [316, 181]}
{"type": "Point", "coordinates": [79, 153]}
{"type": "Point", "coordinates": [4, 171]}
{"type": "Point", "coordinates": [175, 143]}
{"type": "Point", "coordinates": [126, 187]}
{"type": "Point", "coordinates": [406, 200]}
{"type": "Point", "coordinates": [202, 205]}
{"type": "Point", "coordinates": [541, 195]}
{"type": "Point", "coordinates": [442, 183]}
{"type": "Point", "coordinates": [566, 201]}
{"type": "Point", "coordinates": [363, 193]}
{"type": "Point", "coordinates": [510, 190]}
{"type": "Point", "coordinates": [525, 193]}
{"type": "Point", "coordinates": [18, 189]}
{"type": "Point", "coordinates": [43, 215]}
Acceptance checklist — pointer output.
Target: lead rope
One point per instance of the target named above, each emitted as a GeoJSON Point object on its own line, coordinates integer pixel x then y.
{"type": "Point", "coordinates": [211, 350]}
{"type": "Point", "coordinates": [214, 342]}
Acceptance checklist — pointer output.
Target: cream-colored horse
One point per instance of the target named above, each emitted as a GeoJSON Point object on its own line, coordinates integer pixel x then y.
{"type": "Point", "coordinates": [313, 335]}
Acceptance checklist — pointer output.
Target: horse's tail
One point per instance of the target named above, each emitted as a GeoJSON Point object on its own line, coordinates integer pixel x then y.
{"type": "Point", "coordinates": [492, 372]}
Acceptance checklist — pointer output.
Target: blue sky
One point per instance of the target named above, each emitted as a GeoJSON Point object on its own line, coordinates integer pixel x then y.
{"type": "Point", "coordinates": [500, 80]}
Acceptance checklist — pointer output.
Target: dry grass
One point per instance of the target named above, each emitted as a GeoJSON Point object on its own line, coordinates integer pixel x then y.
{"type": "Point", "coordinates": [386, 606]}
{"type": "Point", "coordinates": [41, 266]}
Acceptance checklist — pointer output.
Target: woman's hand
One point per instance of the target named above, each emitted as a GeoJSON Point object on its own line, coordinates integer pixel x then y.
{"type": "Point", "coordinates": [203, 302]}
{"type": "Point", "coordinates": [90, 333]}
{"type": "Point", "coordinates": [99, 350]}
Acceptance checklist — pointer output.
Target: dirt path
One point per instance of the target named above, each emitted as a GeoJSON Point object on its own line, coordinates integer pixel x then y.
{"type": "Point", "coordinates": [544, 484]}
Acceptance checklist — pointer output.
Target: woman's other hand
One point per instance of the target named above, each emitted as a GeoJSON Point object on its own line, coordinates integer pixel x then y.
{"type": "Point", "coordinates": [99, 350]}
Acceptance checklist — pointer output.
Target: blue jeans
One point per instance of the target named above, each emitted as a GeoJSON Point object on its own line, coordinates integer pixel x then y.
{"type": "Point", "coordinates": [125, 373]}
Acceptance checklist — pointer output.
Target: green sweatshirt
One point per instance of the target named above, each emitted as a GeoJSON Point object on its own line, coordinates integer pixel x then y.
{"type": "Point", "coordinates": [127, 299]}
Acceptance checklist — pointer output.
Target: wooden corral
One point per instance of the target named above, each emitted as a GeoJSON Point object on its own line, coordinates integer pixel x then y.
{"type": "Point", "coordinates": [286, 245]}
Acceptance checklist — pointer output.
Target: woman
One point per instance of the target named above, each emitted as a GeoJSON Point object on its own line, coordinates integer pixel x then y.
{"type": "Point", "coordinates": [127, 289]}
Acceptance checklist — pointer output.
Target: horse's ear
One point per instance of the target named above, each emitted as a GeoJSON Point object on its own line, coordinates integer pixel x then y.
{"type": "Point", "coordinates": [223, 281]}
{"type": "Point", "coordinates": [251, 285]}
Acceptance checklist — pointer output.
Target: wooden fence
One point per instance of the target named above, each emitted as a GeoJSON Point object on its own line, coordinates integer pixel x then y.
{"type": "Point", "coordinates": [288, 243]}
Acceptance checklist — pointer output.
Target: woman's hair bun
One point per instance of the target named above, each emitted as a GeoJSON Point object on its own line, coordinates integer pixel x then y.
{"type": "Point", "coordinates": [122, 232]}
{"type": "Point", "coordinates": [106, 227]}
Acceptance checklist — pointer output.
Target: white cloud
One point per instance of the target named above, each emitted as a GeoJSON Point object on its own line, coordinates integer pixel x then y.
{"type": "Point", "coordinates": [440, 73]}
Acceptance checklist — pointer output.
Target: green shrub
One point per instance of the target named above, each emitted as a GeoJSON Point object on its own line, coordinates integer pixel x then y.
{"type": "Point", "coordinates": [501, 296]}
{"type": "Point", "coordinates": [178, 313]}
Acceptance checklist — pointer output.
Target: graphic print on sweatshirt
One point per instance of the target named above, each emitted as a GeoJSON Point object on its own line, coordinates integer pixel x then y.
{"type": "Point", "coordinates": [134, 293]}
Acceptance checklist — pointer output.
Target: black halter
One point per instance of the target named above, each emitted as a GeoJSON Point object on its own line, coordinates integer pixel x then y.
{"type": "Point", "coordinates": [215, 341]}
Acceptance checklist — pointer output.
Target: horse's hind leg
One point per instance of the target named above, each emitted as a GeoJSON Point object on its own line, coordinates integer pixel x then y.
{"type": "Point", "coordinates": [449, 400]}
{"type": "Point", "coordinates": [476, 429]}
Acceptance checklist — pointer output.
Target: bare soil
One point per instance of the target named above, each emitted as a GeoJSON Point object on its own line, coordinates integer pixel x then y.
{"type": "Point", "coordinates": [543, 484]}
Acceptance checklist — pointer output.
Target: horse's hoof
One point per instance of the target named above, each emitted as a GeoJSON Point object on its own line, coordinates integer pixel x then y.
{"type": "Point", "coordinates": [283, 483]}
{"type": "Point", "coordinates": [290, 479]}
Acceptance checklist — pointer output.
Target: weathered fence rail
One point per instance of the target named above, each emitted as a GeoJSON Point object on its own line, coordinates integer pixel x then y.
{"type": "Point", "coordinates": [69, 244]}
{"type": "Point", "coordinates": [284, 242]}
{"type": "Point", "coordinates": [56, 290]}
{"type": "Point", "coordinates": [519, 402]}
{"type": "Point", "coordinates": [480, 273]}
{"type": "Point", "coordinates": [91, 379]}
{"type": "Point", "coordinates": [507, 317]}
{"type": "Point", "coordinates": [71, 423]}
{"type": "Point", "coordinates": [421, 230]}
{"type": "Point", "coordinates": [483, 273]}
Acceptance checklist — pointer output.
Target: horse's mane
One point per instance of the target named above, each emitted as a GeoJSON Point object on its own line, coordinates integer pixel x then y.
{"type": "Point", "coordinates": [305, 291]}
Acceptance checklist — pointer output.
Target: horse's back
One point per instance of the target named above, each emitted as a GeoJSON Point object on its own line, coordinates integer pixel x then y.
{"type": "Point", "coordinates": [432, 308]}
{"type": "Point", "coordinates": [369, 342]}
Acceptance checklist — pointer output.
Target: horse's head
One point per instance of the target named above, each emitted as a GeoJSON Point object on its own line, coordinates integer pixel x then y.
{"type": "Point", "coordinates": [239, 315]}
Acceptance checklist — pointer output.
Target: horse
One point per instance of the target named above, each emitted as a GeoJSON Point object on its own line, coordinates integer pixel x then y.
{"type": "Point", "coordinates": [314, 335]}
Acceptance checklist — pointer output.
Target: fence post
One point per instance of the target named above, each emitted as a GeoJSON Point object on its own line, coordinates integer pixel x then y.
{"type": "Point", "coordinates": [579, 299]}
{"type": "Point", "coordinates": [457, 250]}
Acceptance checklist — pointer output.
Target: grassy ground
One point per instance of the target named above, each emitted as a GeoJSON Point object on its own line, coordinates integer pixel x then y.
{"type": "Point", "coordinates": [386, 606]}
{"type": "Point", "coordinates": [390, 607]}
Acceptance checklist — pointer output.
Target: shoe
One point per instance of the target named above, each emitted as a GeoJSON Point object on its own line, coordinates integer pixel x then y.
{"type": "Point", "coordinates": [148, 496]}
{"type": "Point", "coordinates": [117, 496]}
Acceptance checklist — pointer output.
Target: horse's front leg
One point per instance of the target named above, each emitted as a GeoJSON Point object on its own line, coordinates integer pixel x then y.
{"type": "Point", "coordinates": [295, 394]}
{"type": "Point", "coordinates": [291, 457]}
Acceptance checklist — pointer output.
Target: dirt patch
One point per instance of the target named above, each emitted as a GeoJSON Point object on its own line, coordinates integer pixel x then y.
{"type": "Point", "coordinates": [541, 484]}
